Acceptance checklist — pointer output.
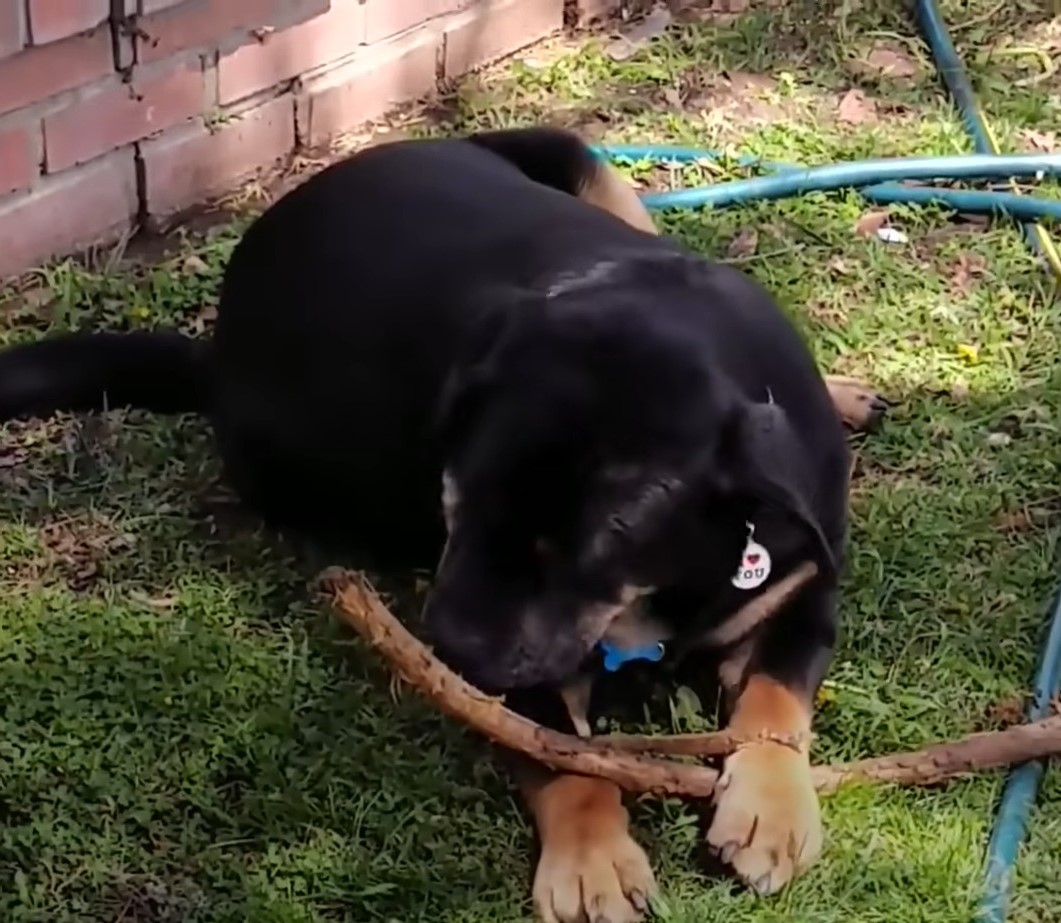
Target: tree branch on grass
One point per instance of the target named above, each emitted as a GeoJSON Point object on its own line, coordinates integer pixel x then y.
{"type": "Point", "coordinates": [621, 758]}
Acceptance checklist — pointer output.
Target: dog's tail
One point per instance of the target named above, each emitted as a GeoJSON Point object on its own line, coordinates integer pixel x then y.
{"type": "Point", "coordinates": [560, 159]}
{"type": "Point", "coordinates": [164, 372]}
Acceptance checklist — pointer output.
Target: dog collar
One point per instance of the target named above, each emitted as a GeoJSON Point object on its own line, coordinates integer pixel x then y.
{"type": "Point", "coordinates": [615, 657]}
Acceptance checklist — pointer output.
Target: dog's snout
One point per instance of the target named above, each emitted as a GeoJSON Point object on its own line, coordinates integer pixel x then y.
{"type": "Point", "coordinates": [469, 655]}
{"type": "Point", "coordinates": [497, 662]}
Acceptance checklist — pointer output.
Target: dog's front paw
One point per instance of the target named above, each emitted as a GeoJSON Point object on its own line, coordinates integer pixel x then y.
{"type": "Point", "coordinates": [767, 822]}
{"type": "Point", "coordinates": [859, 406]}
{"type": "Point", "coordinates": [592, 875]}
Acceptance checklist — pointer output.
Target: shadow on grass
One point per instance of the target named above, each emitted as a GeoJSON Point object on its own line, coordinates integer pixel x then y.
{"type": "Point", "coordinates": [186, 733]}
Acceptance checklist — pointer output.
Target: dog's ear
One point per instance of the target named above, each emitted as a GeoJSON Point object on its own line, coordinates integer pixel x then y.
{"type": "Point", "coordinates": [459, 403]}
{"type": "Point", "coordinates": [467, 382]}
{"type": "Point", "coordinates": [763, 460]}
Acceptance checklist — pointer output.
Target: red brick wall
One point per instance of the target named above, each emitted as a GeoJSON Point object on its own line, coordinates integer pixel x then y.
{"type": "Point", "coordinates": [117, 111]}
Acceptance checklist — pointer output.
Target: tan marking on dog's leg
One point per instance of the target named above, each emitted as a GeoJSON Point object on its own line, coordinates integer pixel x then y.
{"type": "Point", "coordinates": [577, 696]}
{"type": "Point", "coordinates": [859, 406]}
{"type": "Point", "coordinates": [590, 868]}
{"type": "Point", "coordinates": [609, 190]}
{"type": "Point", "coordinates": [767, 822]}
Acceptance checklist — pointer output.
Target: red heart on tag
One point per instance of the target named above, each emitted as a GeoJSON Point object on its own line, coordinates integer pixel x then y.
{"type": "Point", "coordinates": [753, 558]}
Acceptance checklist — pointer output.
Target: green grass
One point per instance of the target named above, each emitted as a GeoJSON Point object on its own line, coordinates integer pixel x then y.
{"type": "Point", "coordinates": [185, 736]}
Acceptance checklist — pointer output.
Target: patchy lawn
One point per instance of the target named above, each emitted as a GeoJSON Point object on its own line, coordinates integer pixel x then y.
{"type": "Point", "coordinates": [185, 737]}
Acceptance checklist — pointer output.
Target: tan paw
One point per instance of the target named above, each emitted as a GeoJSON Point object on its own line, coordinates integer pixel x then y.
{"type": "Point", "coordinates": [767, 822]}
{"type": "Point", "coordinates": [859, 406]}
{"type": "Point", "coordinates": [593, 876]}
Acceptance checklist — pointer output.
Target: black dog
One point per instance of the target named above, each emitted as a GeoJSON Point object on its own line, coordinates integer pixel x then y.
{"type": "Point", "coordinates": [630, 444]}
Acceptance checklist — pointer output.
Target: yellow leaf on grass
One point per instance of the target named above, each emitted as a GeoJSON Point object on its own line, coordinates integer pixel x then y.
{"type": "Point", "coordinates": [969, 353]}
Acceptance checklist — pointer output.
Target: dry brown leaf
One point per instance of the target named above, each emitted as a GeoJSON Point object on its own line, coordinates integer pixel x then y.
{"type": "Point", "coordinates": [1004, 713]}
{"type": "Point", "coordinates": [855, 108]}
{"type": "Point", "coordinates": [970, 266]}
{"type": "Point", "coordinates": [1026, 518]}
{"type": "Point", "coordinates": [744, 244]}
{"type": "Point", "coordinates": [838, 267]}
{"type": "Point", "coordinates": [871, 222]}
{"type": "Point", "coordinates": [890, 62]}
{"type": "Point", "coordinates": [1014, 520]}
{"type": "Point", "coordinates": [1045, 141]}
{"type": "Point", "coordinates": [78, 546]}
{"type": "Point", "coordinates": [672, 98]}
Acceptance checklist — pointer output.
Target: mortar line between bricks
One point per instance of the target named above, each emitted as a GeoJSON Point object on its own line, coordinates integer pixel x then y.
{"type": "Point", "coordinates": [300, 142]}
{"type": "Point", "coordinates": [27, 24]}
{"type": "Point", "coordinates": [116, 21]}
{"type": "Point", "coordinates": [140, 174]}
{"type": "Point", "coordinates": [440, 63]}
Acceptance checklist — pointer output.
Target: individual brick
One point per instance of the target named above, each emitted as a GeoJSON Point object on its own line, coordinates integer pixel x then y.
{"type": "Point", "coordinates": [52, 20]}
{"type": "Point", "coordinates": [284, 54]}
{"type": "Point", "coordinates": [68, 212]}
{"type": "Point", "coordinates": [495, 28]}
{"type": "Point", "coordinates": [19, 155]}
{"type": "Point", "coordinates": [199, 24]}
{"type": "Point", "coordinates": [12, 27]}
{"type": "Point", "coordinates": [119, 113]}
{"type": "Point", "coordinates": [34, 74]}
{"type": "Point", "coordinates": [387, 18]}
{"type": "Point", "coordinates": [377, 80]}
{"type": "Point", "coordinates": [186, 165]}
{"type": "Point", "coordinates": [146, 7]}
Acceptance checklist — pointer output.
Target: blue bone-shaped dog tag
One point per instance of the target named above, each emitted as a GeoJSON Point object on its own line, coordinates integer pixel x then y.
{"type": "Point", "coordinates": [615, 657]}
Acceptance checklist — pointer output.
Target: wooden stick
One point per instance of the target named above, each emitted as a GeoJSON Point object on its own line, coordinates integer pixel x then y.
{"type": "Point", "coordinates": [618, 758]}
{"type": "Point", "coordinates": [928, 766]}
{"type": "Point", "coordinates": [951, 759]}
{"type": "Point", "coordinates": [363, 610]}
{"type": "Point", "coordinates": [702, 744]}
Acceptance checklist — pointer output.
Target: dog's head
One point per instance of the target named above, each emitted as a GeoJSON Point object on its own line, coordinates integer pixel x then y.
{"type": "Point", "coordinates": [591, 460]}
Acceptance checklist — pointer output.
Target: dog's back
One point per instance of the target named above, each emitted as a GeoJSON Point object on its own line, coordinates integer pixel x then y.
{"type": "Point", "coordinates": [347, 304]}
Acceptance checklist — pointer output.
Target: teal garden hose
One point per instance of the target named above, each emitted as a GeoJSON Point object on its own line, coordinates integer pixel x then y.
{"type": "Point", "coordinates": [877, 180]}
{"type": "Point", "coordinates": [954, 76]}
{"type": "Point", "coordinates": [885, 182]}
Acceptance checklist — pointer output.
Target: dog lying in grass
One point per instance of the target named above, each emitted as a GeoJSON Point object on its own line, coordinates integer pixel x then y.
{"type": "Point", "coordinates": [478, 355]}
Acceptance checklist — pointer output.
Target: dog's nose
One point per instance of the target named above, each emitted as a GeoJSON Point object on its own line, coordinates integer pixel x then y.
{"type": "Point", "coordinates": [470, 656]}
{"type": "Point", "coordinates": [496, 667]}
